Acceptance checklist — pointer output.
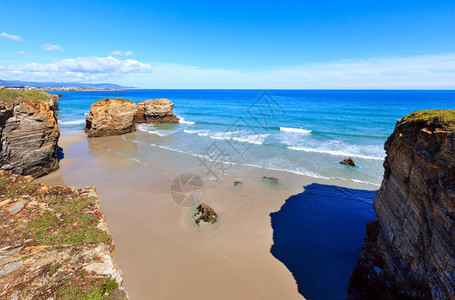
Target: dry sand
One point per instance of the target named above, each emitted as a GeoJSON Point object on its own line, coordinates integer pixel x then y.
{"type": "Point", "coordinates": [160, 250]}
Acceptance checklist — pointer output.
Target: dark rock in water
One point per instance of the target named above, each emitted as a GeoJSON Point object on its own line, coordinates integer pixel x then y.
{"type": "Point", "coordinates": [110, 117]}
{"type": "Point", "coordinates": [409, 251]}
{"type": "Point", "coordinates": [348, 161]}
{"type": "Point", "coordinates": [205, 214]}
{"type": "Point", "coordinates": [61, 95]}
{"type": "Point", "coordinates": [155, 111]}
{"type": "Point", "coordinates": [271, 180]}
{"type": "Point", "coordinates": [29, 132]}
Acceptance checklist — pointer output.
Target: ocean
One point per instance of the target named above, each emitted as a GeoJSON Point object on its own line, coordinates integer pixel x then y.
{"type": "Point", "coordinates": [306, 132]}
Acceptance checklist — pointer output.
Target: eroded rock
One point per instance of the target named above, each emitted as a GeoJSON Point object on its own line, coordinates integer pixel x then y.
{"type": "Point", "coordinates": [409, 251]}
{"type": "Point", "coordinates": [156, 111]}
{"type": "Point", "coordinates": [205, 214]}
{"type": "Point", "coordinates": [29, 132]}
{"type": "Point", "coordinates": [110, 117]}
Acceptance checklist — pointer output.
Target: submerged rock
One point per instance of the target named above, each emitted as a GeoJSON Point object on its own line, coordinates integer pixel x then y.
{"type": "Point", "coordinates": [205, 214]}
{"type": "Point", "coordinates": [348, 161]}
{"type": "Point", "coordinates": [29, 132]}
{"type": "Point", "coordinates": [409, 251]}
{"type": "Point", "coordinates": [271, 180]}
{"type": "Point", "coordinates": [54, 243]}
{"type": "Point", "coordinates": [156, 111]}
{"type": "Point", "coordinates": [110, 117]}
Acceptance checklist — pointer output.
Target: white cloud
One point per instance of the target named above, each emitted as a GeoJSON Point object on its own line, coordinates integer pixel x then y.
{"type": "Point", "coordinates": [50, 47]}
{"type": "Point", "coordinates": [74, 69]}
{"type": "Point", "coordinates": [416, 72]}
{"type": "Point", "coordinates": [23, 53]}
{"type": "Point", "coordinates": [119, 53]}
{"type": "Point", "coordinates": [13, 37]}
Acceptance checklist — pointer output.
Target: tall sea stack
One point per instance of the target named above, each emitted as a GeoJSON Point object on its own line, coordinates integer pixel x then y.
{"type": "Point", "coordinates": [409, 250]}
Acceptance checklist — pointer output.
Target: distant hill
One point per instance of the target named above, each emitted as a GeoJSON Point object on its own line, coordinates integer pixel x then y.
{"type": "Point", "coordinates": [10, 83]}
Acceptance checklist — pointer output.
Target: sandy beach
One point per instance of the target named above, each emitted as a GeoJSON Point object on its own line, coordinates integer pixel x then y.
{"type": "Point", "coordinates": [161, 251]}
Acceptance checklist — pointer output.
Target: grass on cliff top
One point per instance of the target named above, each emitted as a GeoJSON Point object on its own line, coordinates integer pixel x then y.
{"type": "Point", "coordinates": [120, 99]}
{"type": "Point", "coordinates": [8, 95]}
{"type": "Point", "coordinates": [443, 118]}
{"type": "Point", "coordinates": [65, 221]}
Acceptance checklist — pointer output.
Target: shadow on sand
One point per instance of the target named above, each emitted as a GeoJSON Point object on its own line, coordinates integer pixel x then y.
{"type": "Point", "coordinates": [318, 235]}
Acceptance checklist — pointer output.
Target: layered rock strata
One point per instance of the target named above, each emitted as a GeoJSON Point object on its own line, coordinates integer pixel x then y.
{"type": "Point", "coordinates": [410, 249]}
{"type": "Point", "coordinates": [54, 243]}
{"type": "Point", "coordinates": [29, 132]}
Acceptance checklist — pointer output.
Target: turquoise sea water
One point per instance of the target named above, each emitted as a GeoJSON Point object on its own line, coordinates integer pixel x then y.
{"type": "Point", "coordinates": [305, 132]}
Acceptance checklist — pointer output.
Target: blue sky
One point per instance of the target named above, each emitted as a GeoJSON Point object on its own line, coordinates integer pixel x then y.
{"type": "Point", "coordinates": [232, 44]}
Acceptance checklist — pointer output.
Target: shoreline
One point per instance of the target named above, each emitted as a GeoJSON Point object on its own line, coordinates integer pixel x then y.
{"type": "Point", "coordinates": [157, 249]}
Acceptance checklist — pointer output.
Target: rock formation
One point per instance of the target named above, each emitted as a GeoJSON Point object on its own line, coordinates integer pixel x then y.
{"type": "Point", "coordinates": [110, 117]}
{"type": "Point", "coordinates": [29, 132]}
{"type": "Point", "coordinates": [118, 116]}
{"type": "Point", "coordinates": [348, 161]}
{"type": "Point", "coordinates": [156, 111]}
{"type": "Point", "coordinates": [205, 214]}
{"type": "Point", "coordinates": [409, 251]}
{"type": "Point", "coordinates": [54, 243]}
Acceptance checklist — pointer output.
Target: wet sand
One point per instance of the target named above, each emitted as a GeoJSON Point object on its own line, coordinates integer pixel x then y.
{"type": "Point", "coordinates": [161, 251]}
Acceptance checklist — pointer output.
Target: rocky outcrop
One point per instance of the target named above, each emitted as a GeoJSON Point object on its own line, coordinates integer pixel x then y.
{"type": "Point", "coordinates": [29, 132]}
{"type": "Point", "coordinates": [348, 162]}
{"type": "Point", "coordinates": [205, 214]}
{"type": "Point", "coordinates": [409, 251]}
{"type": "Point", "coordinates": [110, 117]}
{"type": "Point", "coordinates": [118, 116]}
{"type": "Point", "coordinates": [156, 111]}
{"type": "Point", "coordinates": [54, 243]}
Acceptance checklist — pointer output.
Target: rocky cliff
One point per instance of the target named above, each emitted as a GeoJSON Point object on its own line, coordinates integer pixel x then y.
{"type": "Point", "coordinates": [156, 111]}
{"type": "Point", "coordinates": [54, 243]}
{"type": "Point", "coordinates": [410, 249]}
{"type": "Point", "coordinates": [29, 132]}
{"type": "Point", "coordinates": [110, 117]}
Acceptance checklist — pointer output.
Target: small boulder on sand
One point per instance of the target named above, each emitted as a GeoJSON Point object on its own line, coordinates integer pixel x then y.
{"type": "Point", "coordinates": [205, 214]}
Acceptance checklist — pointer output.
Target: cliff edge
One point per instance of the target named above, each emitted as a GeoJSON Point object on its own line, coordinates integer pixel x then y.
{"type": "Point", "coordinates": [409, 250]}
{"type": "Point", "coordinates": [54, 243]}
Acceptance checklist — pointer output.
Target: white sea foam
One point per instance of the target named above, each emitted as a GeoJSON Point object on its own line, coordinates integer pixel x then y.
{"type": "Point", "coordinates": [73, 122]}
{"type": "Point", "coordinates": [183, 121]}
{"type": "Point", "coordinates": [198, 132]}
{"type": "Point", "coordinates": [153, 130]}
{"type": "Point", "coordinates": [334, 152]}
{"type": "Point", "coordinates": [257, 139]}
{"type": "Point", "coordinates": [295, 130]}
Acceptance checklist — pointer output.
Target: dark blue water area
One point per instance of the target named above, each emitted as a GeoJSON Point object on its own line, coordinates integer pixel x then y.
{"type": "Point", "coordinates": [319, 234]}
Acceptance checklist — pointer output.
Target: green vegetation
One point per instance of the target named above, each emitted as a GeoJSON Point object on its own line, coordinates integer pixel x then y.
{"type": "Point", "coordinates": [83, 287]}
{"type": "Point", "coordinates": [74, 226]}
{"type": "Point", "coordinates": [69, 218]}
{"type": "Point", "coordinates": [119, 99]}
{"type": "Point", "coordinates": [438, 117]}
{"type": "Point", "coordinates": [7, 95]}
